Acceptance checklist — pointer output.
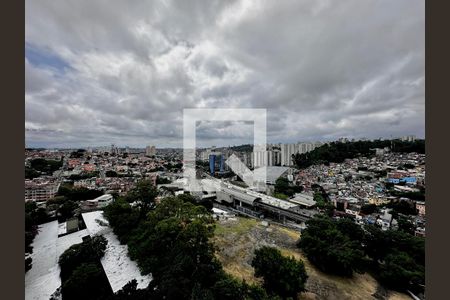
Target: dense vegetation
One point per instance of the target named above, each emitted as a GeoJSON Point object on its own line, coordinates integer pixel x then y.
{"type": "Point", "coordinates": [368, 209]}
{"type": "Point", "coordinates": [243, 148]}
{"type": "Point", "coordinates": [34, 216]}
{"type": "Point", "coordinates": [283, 187]}
{"type": "Point", "coordinates": [68, 200]}
{"type": "Point", "coordinates": [172, 167]}
{"type": "Point", "coordinates": [42, 166]}
{"type": "Point", "coordinates": [419, 196]}
{"type": "Point", "coordinates": [82, 275]}
{"type": "Point", "coordinates": [77, 154]}
{"type": "Point", "coordinates": [112, 173]}
{"type": "Point", "coordinates": [31, 173]}
{"type": "Point", "coordinates": [323, 203]}
{"type": "Point", "coordinates": [84, 175]}
{"type": "Point", "coordinates": [403, 207]}
{"type": "Point", "coordinates": [337, 152]}
{"type": "Point", "coordinates": [283, 276]}
{"type": "Point", "coordinates": [162, 180]}
{"type": "Point", "coordinates": [78, 193]}
{"type": "Point", "coordinates": [333, 246]}
{"type": "Point", "coordinates": [171, 240]}
{"type": "Point", "coordinates": [144, 194]}
{"type": "Point", "coordinates": [397, 258]}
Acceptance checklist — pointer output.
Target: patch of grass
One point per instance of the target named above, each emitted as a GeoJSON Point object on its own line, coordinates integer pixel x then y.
{"type": "Point", "coordinates": [240, 226]}
{"type": "Point", "coordinates": [280, 196]}
{"type": "Point", "coordinates": [295, 235]}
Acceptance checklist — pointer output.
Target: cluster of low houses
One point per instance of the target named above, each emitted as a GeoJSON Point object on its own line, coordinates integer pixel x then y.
{"type": "Point", "coordinates": [360, 181]}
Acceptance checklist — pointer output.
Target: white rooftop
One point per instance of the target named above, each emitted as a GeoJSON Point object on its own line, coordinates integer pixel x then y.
{"type": "Point", "coordinates": [272, 173]}
{"type": "Point", "coordinates": [43, 279]}
{"type": "Point", "coordinates": [118, 266]}
{"type": "Point", "coordinates": [303, 199]}
{"type": "Point", "coordinates": [277, 202]}
{"type": "Point", "coordinates": [219, 211]}
{"type": "Point", "coordinates": [104, 197]}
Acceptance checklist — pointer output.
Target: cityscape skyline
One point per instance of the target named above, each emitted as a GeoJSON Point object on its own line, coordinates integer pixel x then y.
{"type": "Point", "coordinates": [143, 146]}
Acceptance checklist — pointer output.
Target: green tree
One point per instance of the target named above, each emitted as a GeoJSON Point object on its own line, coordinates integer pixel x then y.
{"type": "Point", "coordinates": [34, 216]}
{"type": "Point", "coordinates": [86, 282]}
{"type": "Point", "coordinates": [324, 204]}
{"type": "Point", "coordinates": [398, 257]}
{"type": "Point", "coordinates": [405, 225]}
{"type": "Point", "coordinates": [81, 274]}
{"type": "Point", "coordinates": [376, 242]}
{"type": "Point", "coordinates": [89, 251]}
{"type": "Point", "coordinates": [403, 207]}
{"type": "Point", "coordinates": [162, 180]}
{"type": "Point", "coordinates": [400, 271]}
{"type": "Point", "coordinates": [131, 292]}
{"type": "Point", "coordinates": [66, 209]}
{"type": "Point", "coordinates": [284, 276]}
{"type": "Point", "coordinates": [282, 186]}
{"type": "Point", "coordinates": [111, 173]}
{"type": "Point", "coordinates": [31, 173]}
{"type": "Point", "coordinates": [331, 248]}
{"type": "Point", "coordinates": [78, 193]}
{"type": "Point", "coordinates": [228, 288]}
{"type": "Point", "coordinates": [352, 230]}
{"type": "Point", "coordinates": [337, 152]}
{"type": "Point", "coordinates": [368, 209]}
{"type": "Point", "coordinates": [143, 193]}
{"type": "Point", "coordinates": [47, 166]}
{"type": "Point", "coordinates": [122, 218]}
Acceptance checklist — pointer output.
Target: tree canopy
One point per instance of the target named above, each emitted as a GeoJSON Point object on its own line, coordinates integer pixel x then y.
{"type": "Point", "coordinates": [144, 193]}
{"type": "Point", "coordinates": [333, 246]}
{"type": "Point", "coordinates": [82, 275]}
{"type": "Point", "coordinates": [47, 166]}
{"type": "Point", "coordinates": [337, 152]}
{"type": "Point", "coordinates": [172, 241]}
{"type": "Point", "coordinates": [283, 276]}
{"type": "Point", "coordinates": [368, 209]}
{"type": "Point", "coordinates": [342, 247]}
{"type": "Point", "coordinates": [282, 186]}
{"type": "Point", "coordinates": [78, 193]}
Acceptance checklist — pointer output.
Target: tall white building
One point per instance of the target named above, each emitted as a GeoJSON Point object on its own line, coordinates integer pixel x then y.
{"type": "Point", "coordinates": [266, 158]}
{"type": "Point", "coordinates": [287, 150]}
{"type": "Point", "coordinates": [150, 150]}
{"type": "Point", "coordinates": [204, 155]}
{"type": "Point", "coordinates": [408, 138]}
{"type": "Point", "coordinates": [260, 158]}
{"type": "Point", "coordinates": [274, 157]}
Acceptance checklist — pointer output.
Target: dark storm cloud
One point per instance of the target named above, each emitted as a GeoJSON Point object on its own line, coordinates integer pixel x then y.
{"type": "Point", "coordinates": [99, 72]}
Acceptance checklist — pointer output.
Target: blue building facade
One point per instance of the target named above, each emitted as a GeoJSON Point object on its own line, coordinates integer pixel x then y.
{"type": "Point", "coordinates": [212, 164]}
{"type": "Point", "coordinates": [404, 179]}
{"type": "Point", "coordinates": [213, 158]}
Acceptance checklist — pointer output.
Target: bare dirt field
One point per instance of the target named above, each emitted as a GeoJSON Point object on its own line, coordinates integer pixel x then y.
{"type": "Point", "coordinates": [236, 240]}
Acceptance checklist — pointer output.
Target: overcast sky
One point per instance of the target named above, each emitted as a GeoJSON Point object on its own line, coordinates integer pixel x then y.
{"type": "Point", "coordinates": [101, 72]}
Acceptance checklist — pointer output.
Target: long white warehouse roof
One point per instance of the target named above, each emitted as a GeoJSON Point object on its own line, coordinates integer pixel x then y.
{"type": "Point", "coordinates": [42, 280]}
{"type": "Point", "coordinates": [118, 266]}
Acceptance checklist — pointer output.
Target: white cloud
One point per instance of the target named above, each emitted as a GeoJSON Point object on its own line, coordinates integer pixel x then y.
{"type": "Point", "coordinates": [323, 69]}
